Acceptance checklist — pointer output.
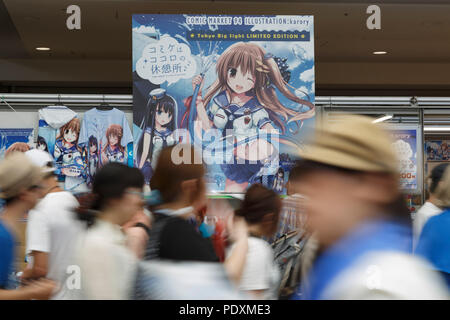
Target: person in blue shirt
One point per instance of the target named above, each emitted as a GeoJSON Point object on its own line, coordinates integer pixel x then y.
{"type": "Point", "coordinates": [20, 190]}
{"type": "Point", "coordinates": [434, 241]}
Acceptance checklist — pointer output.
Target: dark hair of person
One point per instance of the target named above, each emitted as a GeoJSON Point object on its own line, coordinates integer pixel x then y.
{"type": "Point", "coordinates": [258, 202]}
{"type": "Point", "coordinates": [110, 182]}
{"type": "Point", "coordinates": [436, 176]}
{"type": "Point", "coordinates": [169, 176]}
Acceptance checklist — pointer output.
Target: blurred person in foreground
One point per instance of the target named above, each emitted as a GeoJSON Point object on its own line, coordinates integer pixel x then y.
{"type": "Point", "coordinates": [179, 262]}
{"type": "Point", "coordinates": [434, 241]}
{"type": "Point", "coordinates": [355, 208]}
{"type": "Point", "coordinates": [261, 210]}
{"type": "Point", "coordinates": [20, 190]}
{"type": "Point", "coordinates": [17, 147]}
{"type": "Point", "coordinates": [106, 264]}
{"type": "Point", "coordinates": [430, 207]}
{"type": "Point", "coordinates": [52, 229]}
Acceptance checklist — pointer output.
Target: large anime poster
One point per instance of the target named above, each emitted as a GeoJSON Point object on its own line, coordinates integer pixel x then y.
{"type": "Point", "coordinates": [15, 140]}
{"type": "Point", "coordinates": [240, 88]}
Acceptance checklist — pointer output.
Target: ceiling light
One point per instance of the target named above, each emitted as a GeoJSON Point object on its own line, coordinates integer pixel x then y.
{"type": "Point", "coordinates": [42, 49]}
{"type": "Point", "coordinates": [383, 118]}
{"type": "Point", "coordinates": [436, 128]}
{"type": "Point", "coordinates": [379, 52]}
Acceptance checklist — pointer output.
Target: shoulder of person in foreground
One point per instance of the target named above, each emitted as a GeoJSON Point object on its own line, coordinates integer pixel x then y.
{"type": "Point", "coordinates": [107, 268]}
{"type": "Point", "coordinates": [388, 276]}
{"type": "Point", "coordinates": [434, 234]}
{"type": "Point", "coordinates": [54, 202]}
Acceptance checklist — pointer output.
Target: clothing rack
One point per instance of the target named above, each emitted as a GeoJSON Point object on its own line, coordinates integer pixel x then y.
{"type": "Point", "coordinates": [77, 101]}
{"type": "Point", "coordinates": [126, 101]}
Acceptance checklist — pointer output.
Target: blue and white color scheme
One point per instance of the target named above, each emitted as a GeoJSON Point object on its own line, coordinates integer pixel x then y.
{"type": "Point", "coordinates": [240, 88]}
{"type": "Point", "coordinates": [8, 137]}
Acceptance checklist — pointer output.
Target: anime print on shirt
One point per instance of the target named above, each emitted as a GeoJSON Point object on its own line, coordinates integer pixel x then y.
{"type": "Point", "coordinates": [105, 136]}
{"type": "Point", "coordinates": [239, 88]}
{"type": "Point", "coordinates": [59, 130]}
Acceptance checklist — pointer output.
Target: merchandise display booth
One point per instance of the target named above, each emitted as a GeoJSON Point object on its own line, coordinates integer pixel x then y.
{"type": "Point", "coordinates": [428, 117]}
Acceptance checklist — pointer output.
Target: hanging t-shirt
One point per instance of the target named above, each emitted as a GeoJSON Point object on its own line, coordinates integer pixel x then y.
{"type": "Point", "coordinates": [6, 256]}
{"type": "Point", "coordinates": [105, 136]}
{"type": "Point", "coordinates": [59, 130]}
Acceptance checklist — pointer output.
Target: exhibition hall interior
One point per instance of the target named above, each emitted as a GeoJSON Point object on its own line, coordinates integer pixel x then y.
{"type": "Point", "coordinates": [224, 150]}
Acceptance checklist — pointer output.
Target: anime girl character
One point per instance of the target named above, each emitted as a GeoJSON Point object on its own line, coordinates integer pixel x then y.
{"type": "Point", "coordinates": [113, 151]}
{"type": "Point", "coordinates": [278, 181]}
{"type": "Point", "coordinates": [41, 144]}
{"type": "Point", "coordinates": [67, 153]}
{"type": "Point", "coordinates": [93, 157]}
{"type": "Point", "coordinates": [243, 99]}
{"type": "Point", "coordinates": [430, 153]}
{"type": "Point", "coordinates": [159, 126]}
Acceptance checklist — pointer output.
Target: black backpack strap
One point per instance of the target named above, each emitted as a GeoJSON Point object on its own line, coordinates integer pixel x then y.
{"type": "Point", "coordinates": [153, 245]}
{"type": "Point", "coordinates": [141, 225]}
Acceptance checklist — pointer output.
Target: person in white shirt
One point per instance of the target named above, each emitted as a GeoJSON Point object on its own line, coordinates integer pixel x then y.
{"type": "Point", "coordinates": [107, 265]}
{"type": "Point", "coordinates": [261, 210]}
{"type": "Point", "coordinates": [430, 208]}
{"type": "Point", "coordinates": [52, 230]}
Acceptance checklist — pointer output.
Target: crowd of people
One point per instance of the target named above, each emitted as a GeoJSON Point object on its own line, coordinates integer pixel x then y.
{"type": "Point", "coordinates": [343, 231]}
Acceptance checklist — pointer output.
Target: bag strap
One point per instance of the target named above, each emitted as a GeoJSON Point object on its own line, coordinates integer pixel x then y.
{"type": "Point", "coordinates": [141, 225]}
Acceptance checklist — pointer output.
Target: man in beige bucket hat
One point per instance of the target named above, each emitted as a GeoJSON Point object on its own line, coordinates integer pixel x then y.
{"type": "Point", "coordinates": [354, 207]}
{"type": "Point", "coordinates": [20, 190]}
